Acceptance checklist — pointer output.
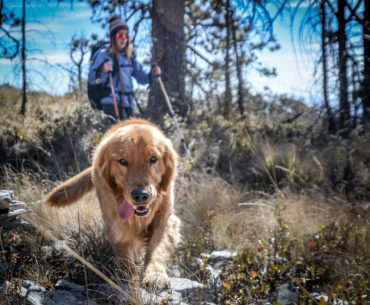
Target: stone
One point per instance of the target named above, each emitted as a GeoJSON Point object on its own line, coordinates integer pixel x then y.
{"type": "Point", "coordinates": [66, 285]}
{"type": "Point", "coordinates": [187, 287]}
{"type": "Point", "coordinates": [286, 294]}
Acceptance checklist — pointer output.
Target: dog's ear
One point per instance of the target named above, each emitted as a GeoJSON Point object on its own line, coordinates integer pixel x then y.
{"type": "Point", "coordinates": [102, 167]}
{"type": "Point", "coordinates": [170, 163]}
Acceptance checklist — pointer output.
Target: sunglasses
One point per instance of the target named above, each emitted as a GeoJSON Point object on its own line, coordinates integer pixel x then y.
{"type": "Point", "coordinates": [121, 36]}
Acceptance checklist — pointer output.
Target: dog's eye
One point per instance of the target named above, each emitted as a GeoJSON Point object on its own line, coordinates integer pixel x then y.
{"type": "Point", "coordinates": [123, 162]}
{"type": "Point", "coordinates": [153, 160]}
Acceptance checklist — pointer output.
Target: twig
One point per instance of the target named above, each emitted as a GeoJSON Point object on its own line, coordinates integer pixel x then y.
{"type": "Point", "coordinates": [50, 236]}
{"type": "Point", "coordinates": [254, 204]}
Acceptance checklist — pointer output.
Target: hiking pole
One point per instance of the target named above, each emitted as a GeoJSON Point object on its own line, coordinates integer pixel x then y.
{"type": "Point", "coordinates": [172, 114]}
{"type": "Point", "coordinates": [138, 105]}
{"type": "Point", "coordinates": [114, 95]}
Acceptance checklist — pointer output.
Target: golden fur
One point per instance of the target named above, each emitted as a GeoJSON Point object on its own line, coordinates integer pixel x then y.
{"type": "Point", "coordinates": [133, 155]}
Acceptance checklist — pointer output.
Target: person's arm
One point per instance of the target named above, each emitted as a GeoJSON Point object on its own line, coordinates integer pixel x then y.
{"type": "Point", "coordinates": [99, 69]}
{"type": "Point", "coordinates": [141, 76]}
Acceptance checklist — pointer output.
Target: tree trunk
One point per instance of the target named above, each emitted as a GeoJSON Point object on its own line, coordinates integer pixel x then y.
{"type": "Point", "coordinates": [366, 79]}
{"type": "Point", "coordinates": [24, 87]}
{"type": "Point", "coordinates": [344, 109]}
{"type": "Point", "coordinates": [169, 53]}
{"type": "Point", "coordinates": [329, 116]}
{"type": "Point", "coordinates": [227, 102]}
{"type": "Point", "coordinates": [238, 69]}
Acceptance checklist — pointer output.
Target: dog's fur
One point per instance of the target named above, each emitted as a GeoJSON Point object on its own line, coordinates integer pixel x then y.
{"type": "Point", "coordinates": [133, 155]}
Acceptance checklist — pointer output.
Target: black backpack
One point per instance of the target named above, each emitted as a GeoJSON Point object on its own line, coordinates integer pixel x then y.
{"type": "Point", "coordinates": [97, 91]}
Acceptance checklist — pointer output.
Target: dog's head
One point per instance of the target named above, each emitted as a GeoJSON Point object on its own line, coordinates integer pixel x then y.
{"type": "Point", "coordinates": [137, 163]}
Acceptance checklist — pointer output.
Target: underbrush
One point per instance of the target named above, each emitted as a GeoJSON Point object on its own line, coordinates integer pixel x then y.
{"type": "Point", "coordinates": [333, 261]}
{"type": "Point", "coordinates": [269, 154]}
{"type": "Point", "coordinates": [52, 138]}
{"type": "Point", "coordinates": [304, 239]}
{"type": "Point", "coordinates": [290, 199]}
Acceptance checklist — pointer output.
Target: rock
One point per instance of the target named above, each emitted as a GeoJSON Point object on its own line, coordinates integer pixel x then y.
{"type": "Point", "coordinates": [172, 297]}
{"type": "Point", "coordinates": [213, 277]}
{"type": "Point", "coordinates": [182, 291]}
{"type": "Point", "coordinates": [286, 294]}
{"type": "Point", "coordinates": [60, 250]}
{"type": "Point", "coordinates": [66, 285]}
{"type": "Point", "coordinates": [73, 294]}
{"type": "Point", "coordinates": [30, 286]}
{"type": "Point", "coordinates": [8, 217]}
{"type": "Point", "coordinates": [219, 255]}
{"type": "Point", "coordinates": [54, 298]}
{"type": "Point", "coordinates": [46, 251]}
{"type": "Point", "coordinates": [174, 271]}
{"type": "Point", "coordinates": [187, 287]}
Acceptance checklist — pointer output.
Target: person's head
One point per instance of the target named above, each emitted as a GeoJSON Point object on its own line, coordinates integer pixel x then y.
{"type": "Point", "coordinates": [119, 36]}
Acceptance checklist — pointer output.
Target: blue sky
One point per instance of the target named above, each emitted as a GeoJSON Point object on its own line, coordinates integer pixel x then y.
{"type": "Point", "coordinates": [294, 70]}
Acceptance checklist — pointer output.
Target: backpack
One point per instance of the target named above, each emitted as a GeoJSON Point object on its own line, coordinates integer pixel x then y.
{"type": "Point", "coordinates": [97, 91]}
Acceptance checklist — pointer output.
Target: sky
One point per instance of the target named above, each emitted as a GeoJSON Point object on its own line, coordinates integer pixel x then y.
{"type": "Point", "coordinates": [61, 22]}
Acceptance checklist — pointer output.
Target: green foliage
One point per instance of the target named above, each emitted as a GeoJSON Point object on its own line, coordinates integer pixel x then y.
{"type": "Point", "coordinates": [308, 263]}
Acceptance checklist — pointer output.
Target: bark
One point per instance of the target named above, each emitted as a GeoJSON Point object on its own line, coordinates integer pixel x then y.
{"type": "Point", "coordinates": [227, 102]}
{"type": "Point", "coordinates": [329, 116]}
{"type": "Point", "coordinates": [344, 108]}
{"type": "Point", "coordinates": [24, 57]}
{"type": "Point", "coordinates": [238, 69]}
{"type": "Point", "coordinates": [366, 79]}
{"type": "Point", "coordinates": [169, 53]}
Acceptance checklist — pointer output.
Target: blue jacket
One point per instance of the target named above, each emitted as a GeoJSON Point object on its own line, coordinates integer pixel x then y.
{"type": "Point", "coordinates": [129, 67]}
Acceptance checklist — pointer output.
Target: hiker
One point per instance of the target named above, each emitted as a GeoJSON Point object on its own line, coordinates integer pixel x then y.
{"type": "Point", "coordinates": [117, 59]}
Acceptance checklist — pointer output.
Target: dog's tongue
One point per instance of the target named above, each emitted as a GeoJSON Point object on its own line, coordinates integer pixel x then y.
{"type": "Point", "coordinates": [125, 211]}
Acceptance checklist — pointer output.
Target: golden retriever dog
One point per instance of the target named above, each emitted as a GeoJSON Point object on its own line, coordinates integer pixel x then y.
{"type": "Point", "coordinates": [133, 173]}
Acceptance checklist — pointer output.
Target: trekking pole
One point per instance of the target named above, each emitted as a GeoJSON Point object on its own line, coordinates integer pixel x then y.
{"type": "Point", "coordinates": [172, 113]}
{"type": "Point", "coordinates": [114, 95]}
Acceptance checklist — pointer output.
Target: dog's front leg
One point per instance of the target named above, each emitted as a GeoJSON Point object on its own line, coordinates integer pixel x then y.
{"type": "Point", "coordinates": [165, 237]}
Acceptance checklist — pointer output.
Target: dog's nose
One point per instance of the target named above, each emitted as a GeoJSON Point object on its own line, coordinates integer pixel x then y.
{"type": "Point", "coordinates": [140, 195]}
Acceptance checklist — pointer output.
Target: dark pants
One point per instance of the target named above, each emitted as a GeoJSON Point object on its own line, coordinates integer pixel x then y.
{"type": "Point", "coordinates": [124, 112]}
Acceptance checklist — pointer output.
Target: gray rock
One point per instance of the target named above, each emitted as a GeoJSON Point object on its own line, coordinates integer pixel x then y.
{"type": "Point", "coordinates": [213, 276]}
{"type": "Point", "coordinates": [221, 255]}
{"type": "Point", "coordinates": [286, 294]}
{"type": "Point", "coordinates": [66, 285]}
{"type": "Point", "coordinates": [28, 285]}
{"type": "Point", "coordinates": [173, 297]}
{"type": "Point", "coordinates": [54, 298]}
{"type": "Point", "coordinates": [106, 291]}
{"type": "Point", "coordinates": [46, 251]}
{"type": "Point", "coordinates": [187, 287]}
{"type": "Point", "coordinates": [60, 250]}
{"type": "Point", "coordinates": [34, 294]}
{"type": "Point", "coordinates": [174, 271]}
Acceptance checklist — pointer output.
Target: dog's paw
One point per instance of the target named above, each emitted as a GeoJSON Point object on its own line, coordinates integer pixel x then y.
{"type": "Point", "coordinates": [155, 277]}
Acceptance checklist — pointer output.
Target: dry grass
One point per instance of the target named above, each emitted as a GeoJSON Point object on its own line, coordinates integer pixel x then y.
{"type": "Point", "coordinates": [41, 109]}
{"type": "Point", "coordinates": [244, 171]}
{"type": "Point", "coordinates": [235, 218]}
{"type": "Point", "coordinates": [29, 188]}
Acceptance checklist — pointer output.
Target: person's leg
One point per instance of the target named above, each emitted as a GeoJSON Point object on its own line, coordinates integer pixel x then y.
{"type": "Point", "coordinates": [108, 109]}
{"type": "Point", "coordinates": [130, 112]}
{"type": "Point", "coordinates": [123, 114]}
{"type": "Point", "coordinates": [108, 106]}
